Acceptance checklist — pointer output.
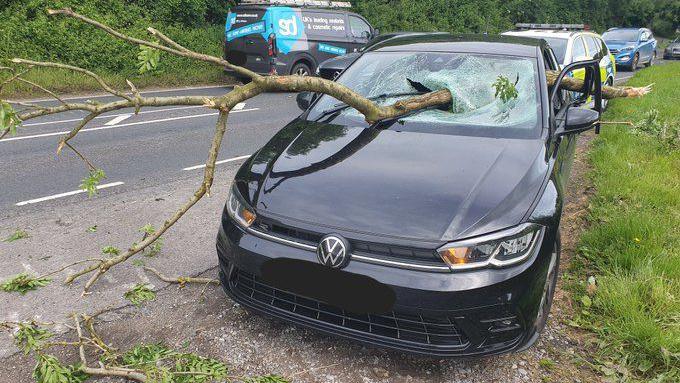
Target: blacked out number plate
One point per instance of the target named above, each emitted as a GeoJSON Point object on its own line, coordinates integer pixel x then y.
{"type": "Point", "coordinates": [355, 293]}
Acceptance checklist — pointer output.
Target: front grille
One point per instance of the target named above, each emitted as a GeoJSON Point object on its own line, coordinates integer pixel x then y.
{"type": "Point", "coordinates": [417, 330]}
{"type": "Point", "coordinates": [614, 51]}
{"type": "Point", "coordinates": [383, 251]}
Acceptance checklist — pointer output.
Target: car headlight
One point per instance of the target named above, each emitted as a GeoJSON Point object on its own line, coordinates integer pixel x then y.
{"type": "Point", "coordinates": [238, 209]}
{"type": "Point", "coordinates": [504, 248]}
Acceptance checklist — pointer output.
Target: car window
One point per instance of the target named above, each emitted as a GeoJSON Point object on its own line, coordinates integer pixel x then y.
{"type": "Point", "coordinates": [579, 50]}
{"type": "Point", "coordinates": [359, 27]}
{"type": "Point", "coordinates": [621, 35]}
{"type": "Point", "coordinates": [594, 49]}
{"type": "Point", "coordinates": [559, 46]}
{"type": "Point", "coordinates": [475, 109]}
{"type": "Point", "coordinates": [603, 47]}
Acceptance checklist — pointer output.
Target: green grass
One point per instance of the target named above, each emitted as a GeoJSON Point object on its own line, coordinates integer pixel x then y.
{"type": "Point", "coordinates": [66, 82]}
{"type": "Point", "coordinates": [632, 244]}
{"type": "Point", "coordinates": [172, 71]}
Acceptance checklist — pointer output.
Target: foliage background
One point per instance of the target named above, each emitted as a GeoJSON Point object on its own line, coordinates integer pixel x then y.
{"type": "Point", "coordinates": [495, 16]}
{"type": "Point", "coordinates": [26, 31]}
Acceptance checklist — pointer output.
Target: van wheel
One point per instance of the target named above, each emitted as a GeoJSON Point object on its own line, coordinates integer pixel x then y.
{"type": "Point", "coordinates": [301, 69]}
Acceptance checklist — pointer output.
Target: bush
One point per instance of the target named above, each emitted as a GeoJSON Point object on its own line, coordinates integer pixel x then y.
{"type": "Point", "coordinates": [28, 32]}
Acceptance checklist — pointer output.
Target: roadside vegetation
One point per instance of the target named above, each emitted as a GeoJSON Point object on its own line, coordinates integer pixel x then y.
{"type": "Point", "coordinates": [26, 31]}
{"type": "Point", "coordinates": [629, 257]}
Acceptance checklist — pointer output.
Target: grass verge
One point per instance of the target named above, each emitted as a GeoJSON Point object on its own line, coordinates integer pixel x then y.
{"type": "Point", "coordinates": [67, 82]}
{"type": "Point", "coordinates": [632, 244]}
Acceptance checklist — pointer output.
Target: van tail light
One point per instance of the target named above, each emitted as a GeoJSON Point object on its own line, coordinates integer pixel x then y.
{"type": "Point", "coordinates": [271, 45]}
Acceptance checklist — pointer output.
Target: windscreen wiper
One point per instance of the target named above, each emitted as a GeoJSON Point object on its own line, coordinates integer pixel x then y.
{"type": "Point", "coordinates": [342, 106]}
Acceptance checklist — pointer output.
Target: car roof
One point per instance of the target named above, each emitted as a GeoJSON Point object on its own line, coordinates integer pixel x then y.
{"type": "Point", "coordinates": [264, 7]}
{"type": "Point", "coordinates": [626, 29]}
{"type": "Point", "coordinates": [559, 34]}
{"type": "Point", "coordinates": [468, 43]}
{"type": "Point", "coordinates": [542, 33]}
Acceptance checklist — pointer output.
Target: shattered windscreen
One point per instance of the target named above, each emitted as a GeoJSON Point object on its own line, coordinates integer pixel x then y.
{"type": "Point", "coordinates": [477, 105]}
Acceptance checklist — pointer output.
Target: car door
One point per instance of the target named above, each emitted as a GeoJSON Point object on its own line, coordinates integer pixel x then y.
{"type": "Point", "coordinates": [645, 46]}
{"type": "Point", "coordinates": [563, 147]}
{"type": "Point", "coordinates": [360, 32]}
{"type": "Point", "coordinates": [597, 50]}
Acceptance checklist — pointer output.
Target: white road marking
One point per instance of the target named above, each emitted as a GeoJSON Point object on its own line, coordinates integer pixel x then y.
{"type": "Point", "coordinates": [118, 119]}
{"type": "Point", "coordinates": [217, 163]}
{"type": "Point", "coordinates": [121, 125]}
{"type": "Point", "coordinates": [61, 195]}
{"type": "Point", "coordinates": [101, 95]}
{"type": "Point", "coordinates": [114, 115]}
{"type": "Point", "coordinates": [239, 106]}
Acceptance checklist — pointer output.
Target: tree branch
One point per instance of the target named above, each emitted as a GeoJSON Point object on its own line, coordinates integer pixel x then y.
{"type": "Point", "coordinates": [181, 280]}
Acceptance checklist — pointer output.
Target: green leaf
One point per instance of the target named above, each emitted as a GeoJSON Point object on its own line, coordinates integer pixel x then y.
{"type": "Point", "coordinates": [110, 250]}
{"type": "Point", "coordinates": [8, 118]}
{"type": "Point", "coordinates": [17, 235]}
{"type": "Point", "coordinates": [156, 246]}
{"type": "Point", "coordinates": [586, 301]}
{"type": "Point", "coordinates": [89, 183]}
{"type": "Point", "coordinates": [139, 294]}
{"type": "Point", "coordinates": [29, 337]}
{"type": "Point", "coordinates": [23, 283]}
{"type": "Point", "coordinates": [505, 89]}
{"type": "Point", "coordinates": [148, 59]}
{"type": "Point", "coordinates": [48, 369]}
{"type": "Point", "coordinates": [91, 229]}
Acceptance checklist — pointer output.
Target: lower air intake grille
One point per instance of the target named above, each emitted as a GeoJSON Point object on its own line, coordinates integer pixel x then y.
{"type": "Point", "coordinates": [414, 329]}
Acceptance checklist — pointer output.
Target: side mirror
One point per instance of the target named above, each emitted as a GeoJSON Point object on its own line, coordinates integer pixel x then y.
{"type": "Point", "coordinates": [376, 32]}
{"type": "Point", "coordinates": [304, 100]}
{"type": "Point", "coordinates": [580, 119]}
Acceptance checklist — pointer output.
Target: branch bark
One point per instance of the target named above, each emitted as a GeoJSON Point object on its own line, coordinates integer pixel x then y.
{"type": "Point", "coordinates": [181, 280]}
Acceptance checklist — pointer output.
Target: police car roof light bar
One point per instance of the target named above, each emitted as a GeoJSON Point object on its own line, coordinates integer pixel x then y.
{"type": "Point", "coordinates": [300, 3]}
{"type": "Point", "coordinates": [563, 27]}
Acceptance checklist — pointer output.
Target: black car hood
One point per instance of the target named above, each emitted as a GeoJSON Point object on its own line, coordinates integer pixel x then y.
{"type": "Point", "coordinates": [396, 183]}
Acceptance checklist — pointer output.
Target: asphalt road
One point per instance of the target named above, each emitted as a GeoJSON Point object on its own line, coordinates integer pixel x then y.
{"type": "Point", "coordinates": [158, 145]}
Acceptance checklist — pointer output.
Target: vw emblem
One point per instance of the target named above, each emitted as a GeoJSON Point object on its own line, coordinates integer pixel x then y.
{"type": "Point", "coordinates": [333, 251]}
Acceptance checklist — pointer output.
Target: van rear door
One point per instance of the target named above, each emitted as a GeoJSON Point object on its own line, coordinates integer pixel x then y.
{"type": "Point", "coordinates": [245, 45]}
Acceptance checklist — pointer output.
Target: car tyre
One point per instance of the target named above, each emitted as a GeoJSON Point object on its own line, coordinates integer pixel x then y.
{"type": "Point", "coordinates": [549, 287]}
{"type": "Point", "coordinates": [651, 59]}
{"type": "Point", "coordinates": [605, 102]}
{"type": "Point", "coordinates": [301, 69]}
{"type": "Point", "coordinates": [634, 64]}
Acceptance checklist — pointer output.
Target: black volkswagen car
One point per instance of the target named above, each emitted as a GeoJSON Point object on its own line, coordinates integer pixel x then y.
{"type": "Point", "coordinates": [435, 233]}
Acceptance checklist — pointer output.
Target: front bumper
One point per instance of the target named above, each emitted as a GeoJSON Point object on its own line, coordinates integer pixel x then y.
{"type": "Point", "coordinates": [624, 58]}
{"type": "Point", "coordinates": [671, 54]}
{"type": "Point", "coordinates": [462, 314]}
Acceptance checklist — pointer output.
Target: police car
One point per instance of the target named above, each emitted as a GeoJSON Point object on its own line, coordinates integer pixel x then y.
{"type": "Point", "coordinates": [572, 43]}
{"type": "Point", "coordinates": [292, 36]}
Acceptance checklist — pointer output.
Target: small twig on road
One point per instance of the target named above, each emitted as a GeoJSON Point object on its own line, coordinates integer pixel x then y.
{"type": "Point", "coordinates": [181, 280]}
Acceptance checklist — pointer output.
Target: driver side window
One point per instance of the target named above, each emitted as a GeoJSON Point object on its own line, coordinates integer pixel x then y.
{"type": "Point", "coordinates": [360, 29]}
